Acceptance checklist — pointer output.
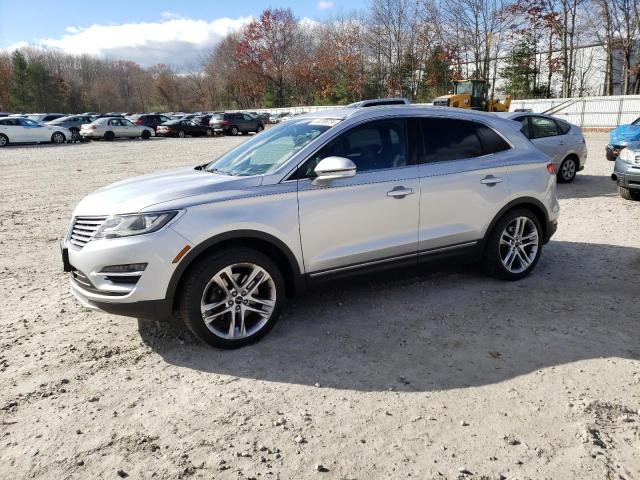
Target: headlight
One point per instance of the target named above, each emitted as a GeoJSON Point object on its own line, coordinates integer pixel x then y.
{"type": "Point", "coordinates": [117, 226]}
{"type": "Point", "coordinates": [628, 155]}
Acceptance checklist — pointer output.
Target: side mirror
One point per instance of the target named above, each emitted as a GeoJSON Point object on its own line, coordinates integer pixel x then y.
{"type": "Point", "coordinates": [333, 168]}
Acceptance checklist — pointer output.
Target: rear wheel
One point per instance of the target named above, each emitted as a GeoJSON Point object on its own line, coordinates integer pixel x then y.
{"type": "Point", "coordinates": [259, 129]}
{"type": "Point", "coordinates": [58, 138]}
{"type": "Point", "coordinates": [75, 134]}
{"type": "Point", "coordinates": [181, 133]}
{"type": "Point", "coordinates": [514, 245]}
{"type": "Point", "coordinates": [145, 135]}
{"type": "Point", "coordinates": [629, 194]}
{"type": "Point", "coordinates": [209, 132]}
{"type": "Point", "coordinates": [567, 170]}
{"type": "Point", "coordinates": [4, 140]}
{"type": "Point", "coordinates": [109, 136]}
{"type": "Point", "coordinates": [232, 298]}
{"type": "Point", "coordinates": [233, 130]}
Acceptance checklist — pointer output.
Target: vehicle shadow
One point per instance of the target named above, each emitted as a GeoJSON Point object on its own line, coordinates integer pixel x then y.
{"type": "Point", "coordinates": [444, 329]}
{"type": "Point", "coordinates": [587, 186]}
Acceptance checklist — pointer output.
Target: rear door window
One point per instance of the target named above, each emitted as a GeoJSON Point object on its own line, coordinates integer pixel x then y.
{"type": "Point", "coordinates": [450, 139]}
{"type": "Point", "coordinates": [542, 127]}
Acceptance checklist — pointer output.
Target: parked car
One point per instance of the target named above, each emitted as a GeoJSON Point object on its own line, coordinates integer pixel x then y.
{"type": "Point", "coordinates": [327, 194]}
{"type": "Point", "coordinates": [622, 136]}
{"type": "Point", "coordinates": [235, 123]}
{"type": "Point", "coordinates": [72, 123]}
{"type": "Point", "coordinates": [44, 117]}
{"type": "Point", "coordinates": [182, 128]}
{"type": "Point", "coordinates": [25, 130]}
{"type": "Point", "coordinates": [376, 102]}
{"type": "Point", "coordinates": [626, 171]}
{"type": "Point", "coordinates": [562, 141]}
{"type": "Point", "coordinates": [109, 128]}
{"type": "Point", "coordinates": [151, 120]}
{"type": "Point", "coordinates": [4, 114]}
{"type": "Point", "coordinates": [202, 119]}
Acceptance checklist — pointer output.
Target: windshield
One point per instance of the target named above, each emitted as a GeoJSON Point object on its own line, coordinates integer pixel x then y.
{"type": "Point", "coordinates": [463, 88]}
{"type": "Point", "coordinates": [269, 150]}
{"type": "Point", "coordinates": [636, 122]}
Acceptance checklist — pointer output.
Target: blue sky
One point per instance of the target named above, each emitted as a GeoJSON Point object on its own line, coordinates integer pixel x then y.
{"type": "Point", "coordinates": [151, 31]}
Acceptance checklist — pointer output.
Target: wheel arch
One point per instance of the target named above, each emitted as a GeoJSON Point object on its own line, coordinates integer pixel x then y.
{"type": "Point", "coordinates": [260, 241]}
{"type": "Point", "coordinates": [530, 203]}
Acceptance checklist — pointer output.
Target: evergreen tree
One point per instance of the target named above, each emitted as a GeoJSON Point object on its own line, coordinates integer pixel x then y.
{"type": "Point", "coordinates": [520, 71]}
{"type": "Point", "coordinates": [19, 92]}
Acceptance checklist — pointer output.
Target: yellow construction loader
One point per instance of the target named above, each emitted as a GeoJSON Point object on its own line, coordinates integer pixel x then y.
{"type": "Point", "coordinates": [473, 94]}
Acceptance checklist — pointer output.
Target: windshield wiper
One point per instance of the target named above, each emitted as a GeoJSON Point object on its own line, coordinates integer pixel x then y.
{"type": "Point", "coordinates": [219, 172]}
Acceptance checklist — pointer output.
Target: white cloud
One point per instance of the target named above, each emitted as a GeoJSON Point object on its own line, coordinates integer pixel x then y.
{"type": "Point", "coordinates": [170, 15]}
{"type": "Point", "coordinates": [325, 4]}
{"type": "Point", "coordinates": [175, 41]}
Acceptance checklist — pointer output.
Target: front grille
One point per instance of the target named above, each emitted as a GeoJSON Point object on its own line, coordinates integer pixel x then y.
{"type": "Point", "coordinates": [83, 230]}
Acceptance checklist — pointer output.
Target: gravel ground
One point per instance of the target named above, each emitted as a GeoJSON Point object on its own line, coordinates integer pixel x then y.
{"type": "Point", "coordinates": [445, 374]}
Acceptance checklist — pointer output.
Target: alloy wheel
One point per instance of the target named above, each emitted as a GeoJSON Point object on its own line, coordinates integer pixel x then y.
{"type": "Point", "coordinates": [238, 301]}
{"type": "Point", "coordinates": [519, 243]}
{"type": "Point", "coordinates": [58, 138]}
{"type": "Point", "coordinates": [3, 140]}
{"type": "Point", "coordinates": [568, 170]}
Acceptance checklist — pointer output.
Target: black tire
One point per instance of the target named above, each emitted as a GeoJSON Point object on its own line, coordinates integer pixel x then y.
{"type": "Point", "coordinates": [209, 132]}
{"type": "Point", "coordinates": [629, 194]}
{"type": "Point", "coordinates": [259, 128]}
{"type": "Point", "coordinates": [180, 133]}
{"type": "Point", "coordinates": [4, 140]}
{"type": "Point", "coordinates": [58, 138]}
{"type": "Point", "coordinates": [197, 279]}
{"type": "Point", "coordinates": [493, 262]}
{"type": "Point", "coordinates": [109, 136]}
{"type": "Point", "coordinates": [233, 131]}
{"type": "Point", "coordinates": [75, 134]}
{"type": "Point", "coordinates": [145, 135]}
{"type": "Point", "coordinates": [568, 169]}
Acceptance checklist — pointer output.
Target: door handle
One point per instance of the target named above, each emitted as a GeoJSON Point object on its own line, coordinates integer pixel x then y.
{"type": "Point", "coordinates": [399, 192]}
{"type": "Point", "coordinates": [490, 180]}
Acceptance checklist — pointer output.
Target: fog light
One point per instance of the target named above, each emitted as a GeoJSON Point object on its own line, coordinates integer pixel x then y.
{"type": "Point", "coordinates": [128, 268]}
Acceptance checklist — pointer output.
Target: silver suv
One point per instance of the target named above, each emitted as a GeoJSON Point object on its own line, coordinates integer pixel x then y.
{"type": "Point", "coordinates": [327, 194]}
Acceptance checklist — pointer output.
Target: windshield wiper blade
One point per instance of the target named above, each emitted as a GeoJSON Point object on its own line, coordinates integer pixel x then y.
{"type": "Point", "coordinates": [219, 172]}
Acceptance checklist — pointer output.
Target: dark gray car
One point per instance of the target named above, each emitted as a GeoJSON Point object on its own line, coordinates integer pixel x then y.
{"type": "Point", "coordinates": [235, 123]}
{"type": "Point", "coordinates": [72, 123]}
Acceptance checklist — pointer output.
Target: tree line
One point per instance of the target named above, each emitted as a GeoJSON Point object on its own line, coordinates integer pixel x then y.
{"type": "Point", "coordinates": [411, 48]}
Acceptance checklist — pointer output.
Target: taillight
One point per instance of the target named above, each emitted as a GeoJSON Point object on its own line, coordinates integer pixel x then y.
{"type": "Point", "coordinates": [551, 168]}
{"type": "Point", "coordinates": [139, 122]}
{"type": "Point", "coordinates": [93, 127]}
{"type": "Point", "coordinates": [225, 122]}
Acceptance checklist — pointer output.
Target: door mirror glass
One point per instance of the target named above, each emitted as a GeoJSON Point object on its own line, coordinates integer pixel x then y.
{"type": "Point", "coordinates": [333, 168]}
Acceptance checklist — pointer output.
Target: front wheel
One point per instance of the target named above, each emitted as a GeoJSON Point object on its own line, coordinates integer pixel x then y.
{"type": "Point", "coordinates": [567, 170]}
{"type": "Point", "coordinates": [233, 131]}
{"type": "Point", "coordinates": [75, 134]}
{"type": "Point", "coordinates": [209, 132]}
{"type": "Point", "coordinates": [232, 298]}
{"type": "Point", "coordinates": [181, 133]}
{"type": "Point", "coordinates": [514, 245]}
{"type": "Point", "coordinates": [629, 194]}
{"type": "Point", "coordinates": [4, 140]}
{"type": "Point", "coordinates": [259, 129]}
{"type": "Point", "coordinates": [145, 135]}
{"type": "Point", "coordinates": [58, 138]}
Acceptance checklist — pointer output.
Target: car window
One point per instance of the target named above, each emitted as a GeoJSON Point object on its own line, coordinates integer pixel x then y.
{"type": "Point", "coordinates": [450, 139]}
{"type": "Point", "coordinates": [563, 127]}
{"type": "Point", "coordinates": [26, 122]}
{"type": "Point", "coordinates": [5, 122]}
{"type": "Point", "coordinates": [525, 125]}
{"type": "Point", "coordinates": [491, 141]}
{"type": "Point", "coordinates": [126, 123]}
{"type": "Point", "coordinates": [247, 118]}
{"type": "Point", "coordinates": [542, 127]}
{"type": "Point", "coordinates": [376, 145]}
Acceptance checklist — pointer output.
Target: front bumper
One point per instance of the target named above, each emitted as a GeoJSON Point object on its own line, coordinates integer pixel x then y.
{"type": "Point", "coordinates": [626, 174]}
{"type": "Point", "coordinates": [146, 293]}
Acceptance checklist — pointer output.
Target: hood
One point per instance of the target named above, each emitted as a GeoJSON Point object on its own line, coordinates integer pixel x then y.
{"type": "Point", "coordinates": [143, 193]}
{"type": "Point", "coordinates": [624, 134]}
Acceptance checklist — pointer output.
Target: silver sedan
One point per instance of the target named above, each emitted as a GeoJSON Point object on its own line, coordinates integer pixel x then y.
{"type": "Point", "coordinates": [113, 127]}
{"type": "Point", "coordinates": [560, 140]}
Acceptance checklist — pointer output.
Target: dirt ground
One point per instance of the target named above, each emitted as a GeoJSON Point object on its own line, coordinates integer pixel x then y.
{"type": "Point", "coordinates": [444, 374]}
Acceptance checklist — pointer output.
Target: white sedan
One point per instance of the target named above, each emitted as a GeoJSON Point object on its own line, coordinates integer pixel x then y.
{"type": "Point", "coordinates": [113, 127]}
{"type": "Point", "coordinates": [24, 130]}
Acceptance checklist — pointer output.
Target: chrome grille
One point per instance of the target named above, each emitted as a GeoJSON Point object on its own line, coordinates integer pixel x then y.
{"type": "Point", "coordinates": [83, 230]}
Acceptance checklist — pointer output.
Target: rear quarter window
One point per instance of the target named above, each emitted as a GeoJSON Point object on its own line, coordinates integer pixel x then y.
{"type": "Point", "coordinates": [491, 141]}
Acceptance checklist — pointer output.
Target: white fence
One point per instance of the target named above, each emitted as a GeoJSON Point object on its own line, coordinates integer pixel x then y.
{"type": "Point", "coordinates": [589, 112]}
